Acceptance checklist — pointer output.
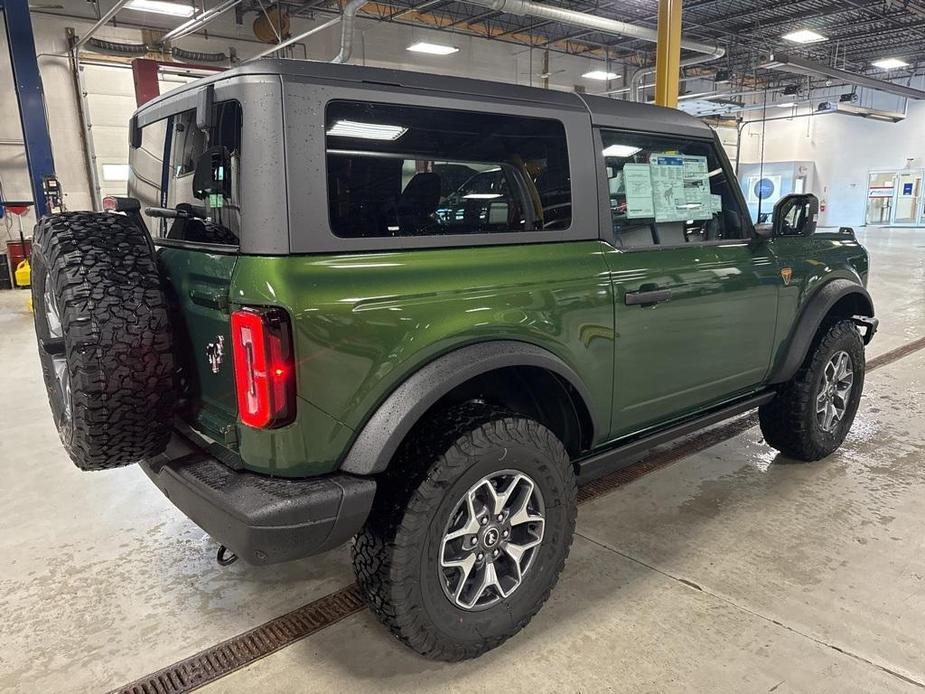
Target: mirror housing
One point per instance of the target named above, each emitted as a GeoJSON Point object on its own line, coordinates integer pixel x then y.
{"type": "Point", "coordinates": [795, 215]}
{"type": "Point", "coordinates": [212, 176]}
{"type": "Point", "coordinates": [205, 108]}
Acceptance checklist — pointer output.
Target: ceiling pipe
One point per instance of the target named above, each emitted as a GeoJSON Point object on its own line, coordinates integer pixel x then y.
{"type": "Point", "coordinates": [601, 24]}
{"type": "Point", "coordinates": [640, 75]}
{"type": "Point", "coordinates": [799, 66]}
{"type": "Point", "coordinates": [348, 19]}
{"type": "Point", "coordinates": [196, 23]}
{"type": "Point", "coordinates": [294, 39]}
{"type": "Point", "coordinates": [101, 22]}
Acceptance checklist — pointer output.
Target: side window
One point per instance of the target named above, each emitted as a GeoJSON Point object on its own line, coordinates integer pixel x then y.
{"type": "Point", "coordinates": [413, 171]}
{"type": "Point", "coordinates": [163, 169]}
{"type": "Point", "coordinates": [668, 191]}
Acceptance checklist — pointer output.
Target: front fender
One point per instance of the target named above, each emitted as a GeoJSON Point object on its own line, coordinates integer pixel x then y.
{"type": "Point", "coordinates": [379, 439]}
{"type": "Point", "coordinates": [814, 311]}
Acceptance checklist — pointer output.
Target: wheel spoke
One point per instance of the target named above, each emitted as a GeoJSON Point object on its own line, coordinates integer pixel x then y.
{"type": "Point", "coordinates": [465, 569]}
{"type": "Point", "coordinates": [822, 401]}
{"type": "Point", "coordinates": [471, 526]}
{"type": "Point", "coordinates": [517, 550]}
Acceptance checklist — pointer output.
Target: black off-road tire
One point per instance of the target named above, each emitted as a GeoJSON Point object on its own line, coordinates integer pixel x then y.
{"type": "Point", "coordinates": [789, 421]}
{"type": "Point", "coordinates": [101, 277]}
{"type": "Point", "coordinates": [396, 555]}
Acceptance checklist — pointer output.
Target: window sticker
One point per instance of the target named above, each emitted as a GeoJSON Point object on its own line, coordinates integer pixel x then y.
{"type": "Point", "coordinates": [716, 202]}
{"type": "Point", "coordinates": [638, 183]}
{"type": "Point", "coordinates": [668, 196]}
{"type": "Point", "coordinates": [697, 198]}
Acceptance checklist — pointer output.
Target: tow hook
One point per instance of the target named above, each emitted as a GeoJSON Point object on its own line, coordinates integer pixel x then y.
{"type": "Point", "coordinates": [225, 556]}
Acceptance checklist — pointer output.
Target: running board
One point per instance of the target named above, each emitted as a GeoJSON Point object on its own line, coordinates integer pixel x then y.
{"type": "Point", "coordinates": [624, 454]}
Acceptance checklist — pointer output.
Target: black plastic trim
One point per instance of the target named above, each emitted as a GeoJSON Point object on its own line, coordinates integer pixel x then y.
{"type": "Point", "coordinates": [377, 442]}
{"type": "Point", "coordinates": [263, 520]}
{"type": "Point", "coordinates": [627, 453]}
{"type": "Point", "coordinates": [814, 312]}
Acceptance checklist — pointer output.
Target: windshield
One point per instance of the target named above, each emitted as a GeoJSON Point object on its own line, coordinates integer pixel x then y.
{"type": "Point", "coordinates": [187, 178]}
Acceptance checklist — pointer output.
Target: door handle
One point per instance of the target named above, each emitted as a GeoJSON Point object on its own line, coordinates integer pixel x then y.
{"type": "Point", "coordinates": [647, 298]}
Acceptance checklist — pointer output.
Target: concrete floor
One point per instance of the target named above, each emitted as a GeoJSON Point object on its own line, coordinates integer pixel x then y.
{"type": "Point", "coordinates": [729, 571]}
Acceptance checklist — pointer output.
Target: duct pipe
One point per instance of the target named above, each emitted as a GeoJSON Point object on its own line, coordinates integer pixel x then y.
{"type": "Point", "coordinates": [196, 23]}
{"type": "Point", "coordinates": [641, 74]}
{"type": "Point", "coordinates": [102, 21]}
{"type": "Point", "coordinates": [601, 24]}
{"type": "Point", "coordinates": [346, 35]}
{"type": "Point", "coordinates": [346, 30]}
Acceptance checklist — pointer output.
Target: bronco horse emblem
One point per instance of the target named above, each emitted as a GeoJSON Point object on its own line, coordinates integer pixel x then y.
{"type": "Point", "coordinates": [214, 352]}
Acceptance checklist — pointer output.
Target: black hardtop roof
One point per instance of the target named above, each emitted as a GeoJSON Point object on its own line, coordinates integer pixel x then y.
{"type": "Point", "coordinates": [604, 111]}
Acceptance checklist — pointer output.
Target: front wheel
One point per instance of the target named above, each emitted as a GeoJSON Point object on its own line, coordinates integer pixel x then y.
{"type": "Point", "coordinates": [462, 550]}
{"type": "Point", "coordinates": [811, 415]}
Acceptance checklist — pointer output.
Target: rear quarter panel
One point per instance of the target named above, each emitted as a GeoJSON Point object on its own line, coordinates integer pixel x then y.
{"type": "Point", "coordinates": [363, 322]}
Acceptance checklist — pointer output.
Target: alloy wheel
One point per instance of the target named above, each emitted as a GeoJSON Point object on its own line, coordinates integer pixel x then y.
{"type": "Point", "coordinates": [491, 540]}
{"type": "Point", "coordinates": [834, 391]}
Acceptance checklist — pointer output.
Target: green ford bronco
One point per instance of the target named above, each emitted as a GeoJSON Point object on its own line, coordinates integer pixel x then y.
{"type": "Point", "coordinates": [419, 311]}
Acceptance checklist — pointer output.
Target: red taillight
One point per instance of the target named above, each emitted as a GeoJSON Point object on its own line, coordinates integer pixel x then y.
{"type": "Point", "coordinates": [264, 372]}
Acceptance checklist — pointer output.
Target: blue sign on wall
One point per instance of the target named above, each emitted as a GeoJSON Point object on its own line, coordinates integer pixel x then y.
{"type": "Point", "coordinates": [764, 189]}
{"type": "Point", "coordinates": [907, 189]}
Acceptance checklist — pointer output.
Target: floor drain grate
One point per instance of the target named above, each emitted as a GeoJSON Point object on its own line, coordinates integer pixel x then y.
{"type": "Point", "coordinates": [242, 650]}
{"type": "Point", "coordinates": [223, 658]}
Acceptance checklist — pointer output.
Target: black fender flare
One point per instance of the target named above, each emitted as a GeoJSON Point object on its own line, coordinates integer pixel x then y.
{"type": "Point", "coordinates": [811, 317]}
{"type": "Point", "coordinates": [377, 441]}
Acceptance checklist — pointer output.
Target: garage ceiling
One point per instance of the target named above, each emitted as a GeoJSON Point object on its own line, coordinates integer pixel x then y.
{"type": "Point", "coordinates": [857, 32]}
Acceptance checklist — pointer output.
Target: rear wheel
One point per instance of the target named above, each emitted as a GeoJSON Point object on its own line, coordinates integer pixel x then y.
{"type": "Point", "coordinates": [812, 413]}
{"type": "Point", "coordinates": [104, 338]}
{"type": "Point", "coordinates": [469, 532]}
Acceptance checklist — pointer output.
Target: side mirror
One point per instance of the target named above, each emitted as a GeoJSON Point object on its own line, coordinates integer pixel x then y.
{"type": "Point", "coordinates": [212, 177]}
{"type": "Point", "coordinates": [795, 215]}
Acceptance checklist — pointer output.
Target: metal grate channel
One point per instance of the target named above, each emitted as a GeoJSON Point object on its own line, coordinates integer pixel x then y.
{"type": "Point", "coordinates": [240, 651]}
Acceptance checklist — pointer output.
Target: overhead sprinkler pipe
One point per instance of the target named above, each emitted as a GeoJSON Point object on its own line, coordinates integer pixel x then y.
{"type": "Point", "coordinates": [604, 25]}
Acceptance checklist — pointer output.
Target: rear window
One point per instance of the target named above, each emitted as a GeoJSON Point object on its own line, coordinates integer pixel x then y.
{"type": "Point", "coordinates": [411, 171]}
{"type": "Point", "coordinates": [163, 171]}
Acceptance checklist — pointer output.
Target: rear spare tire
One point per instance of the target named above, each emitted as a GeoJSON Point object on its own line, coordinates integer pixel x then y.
{"type": "Point", "coordinates": [104, 337]}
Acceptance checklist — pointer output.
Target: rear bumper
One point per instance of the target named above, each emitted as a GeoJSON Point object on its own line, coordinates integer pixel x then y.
{"type": "Point", "coordinates": [264, 520]}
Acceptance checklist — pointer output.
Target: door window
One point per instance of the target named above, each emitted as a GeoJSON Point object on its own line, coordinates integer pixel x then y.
{"type": "Point", "coordinates": [668, 191]}
{"type": "Point", "coordinates": [409, 171]}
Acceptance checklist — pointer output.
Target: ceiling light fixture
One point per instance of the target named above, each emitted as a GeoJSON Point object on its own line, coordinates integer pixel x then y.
{"type": "Point", "coordinates": [161, 7]}
{"type": "Point", "coordinates": [804, 36]}
{"type": "Point", "coordinates": [786, 104]}
{"type": "Point", "coordinates": [366, 131]}
{"type": "Point", "coordinates": [482, 196]}
{"type": "Point", "coordinates": [621, 151]}
{"type": "Point", "coordinates": [889, 63]}
{"type": "Point", "coordinates": [601, 75]}
{"type": "Point", "coordinates": [432, 48]}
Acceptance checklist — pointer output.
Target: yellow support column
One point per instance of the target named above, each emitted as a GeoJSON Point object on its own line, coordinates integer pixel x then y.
{"type": "Point", "coordinates": [668, 53]}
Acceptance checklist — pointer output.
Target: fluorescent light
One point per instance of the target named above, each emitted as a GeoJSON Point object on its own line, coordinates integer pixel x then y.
{"type": "Point", "coordinates": [601, 75]}
{"type": "Point", "coordinates": [432, 48]}
{"type": "Point", "coordinates": [803, 36]}
{"type": "Point", "coordinates": [481, 196]}
{"type": "Point", "coordinates": [620, 151]}
{"type": "Point", "coordinates": [115, 172]}
{"type": "Point", "coordinates": [161, 7]}
{"type": "Point", "coordinates": [366, 131]}
{"type": "Point", "coordinates": [786, 104]}
{"type": "Point", "coordinates": [889, 63]}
